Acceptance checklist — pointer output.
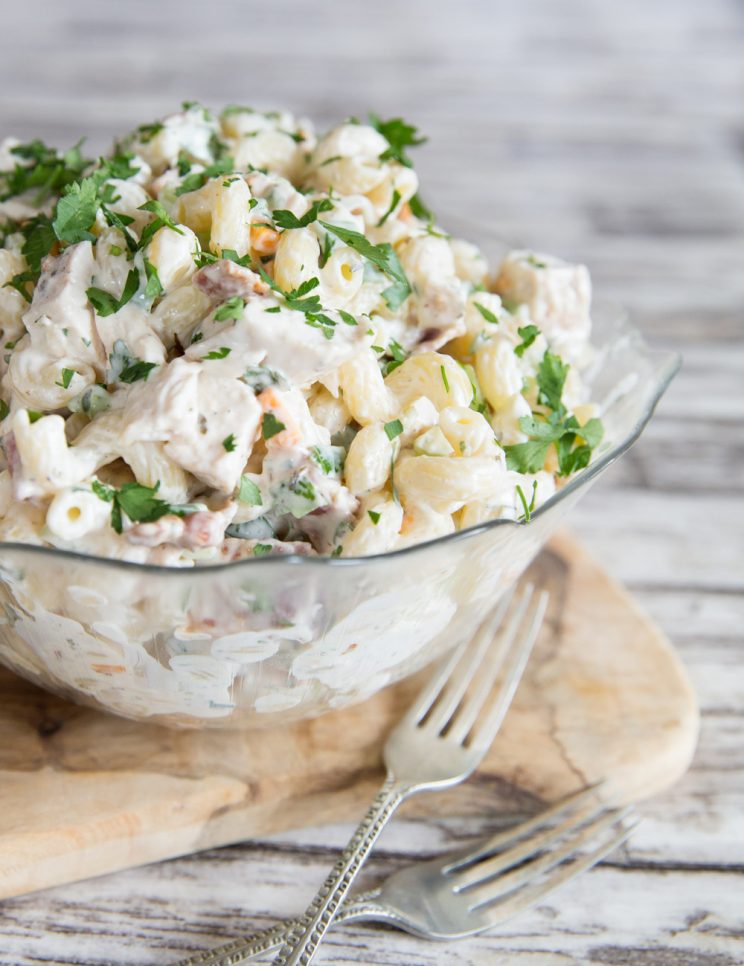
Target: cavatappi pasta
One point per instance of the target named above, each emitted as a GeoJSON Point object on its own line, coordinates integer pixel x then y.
{"type": "Point", "coordinates": [231, 338]}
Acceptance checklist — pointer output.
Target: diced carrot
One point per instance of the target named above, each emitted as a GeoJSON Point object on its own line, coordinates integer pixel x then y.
{"type": "Point", "coordinates": [264, 239]}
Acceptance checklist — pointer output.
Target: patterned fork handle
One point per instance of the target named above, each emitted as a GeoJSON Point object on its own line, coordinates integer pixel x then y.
{"type": "Point", "coordinates": [306, 933]}
{"type": "Point", "coordinates": [362, 907]}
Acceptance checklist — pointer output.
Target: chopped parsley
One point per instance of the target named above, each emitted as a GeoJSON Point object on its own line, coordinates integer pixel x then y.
{"type": "Point", "coordinates": [138, 503]}
{"type": "Point", "coordinates": [528, 334]}
{"type": "Point", "coordinates": [347, 317]}
{"type": "Point", "coordinates": [399, 136]}
{"type": "Point", "coordinates": [270, 426]}
{"type": "Point", "coordinates": [420, 210]}
{"type": "Point", "coordinates": [391, 208]}
{"type": "Point", "coordinates": [154, 287]}
{"type": "Point", "coordinates": [383, 256]}
{"type": "Point", "coordinates": [398, 356]}
{"type": "Point", "coordinates": [67, 375]}
{"type": "Point", "coordinates": [104, 302]}
{"type": "Point", "coordinates": [393, 429]}
{"type": "Point", "coordinates": [4, 410]}
{"type": "Point", "coordinates": [487, 314]}
{"type": "Point", "coordinates": [231, 309]}
{"type": "Point", "coordinates": [262, 549]}
{"type": "Point", "coordinates": [34, 415]}
{"type": "Point", "coordinates": [329, 458]}
{"type": "Point", "coordinates": [199, 178]}
{"type": "Point", "coordinates": [76, 211]}
{"type": "Point", "coordinates": [374, 516]}
{"type": "Point", "coordinates": [125, 367]}
{"type": "Point", "coordinates": [136, 371]}
{"type": "Point", "coordinates": [229, 443]}
{"type": "Point", "coordinates": [220, 353]}
{"type": "Point", "coordinates": [162, 220]}
{"type": "Point", "coordinates": [284, 218]}
{"type": "Point", "coordinates": [573, 443]}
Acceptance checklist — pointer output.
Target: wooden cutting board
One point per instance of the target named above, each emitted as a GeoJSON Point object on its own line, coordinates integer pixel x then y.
{"type": "Point", "coordinates": [83, 793]}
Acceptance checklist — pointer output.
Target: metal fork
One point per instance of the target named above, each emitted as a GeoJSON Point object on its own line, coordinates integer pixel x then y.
{"type": "Point", "coordinates": [438, 743]}
{"type": "Point", "coordinates": [474, 890]}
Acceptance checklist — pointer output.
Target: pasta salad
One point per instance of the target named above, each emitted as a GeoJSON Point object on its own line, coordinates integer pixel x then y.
{"type": "Point", "coordinates": [230, 338]}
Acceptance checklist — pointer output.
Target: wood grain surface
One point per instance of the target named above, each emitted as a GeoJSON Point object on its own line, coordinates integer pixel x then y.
{"type": "Point", "coordinates": [611, 133]}
{"type": "Point", "coordinates": [604, 699]}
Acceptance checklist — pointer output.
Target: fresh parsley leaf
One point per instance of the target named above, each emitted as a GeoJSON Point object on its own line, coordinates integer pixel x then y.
{"type": "Point", "coordinates": [67, 375]}
{"type": "Point", "coordinates": [420, 210]}
{"type": "Point", "coordinates": [592, 432]}
{"type": "Point", "coordinates": [551, 376]}
{"type": "Point", "coordinates": [76, 211]}
{"type": "Point", "coordinates": [249, 493]}
{"type": "Point", "coordinates": [393, 429]}
{"type": "Point", "coordinates": [40, 238]}
{"type": "Point", "coordinates": [536, 262]}
{"type": "Point", "coordinates": [382, 256]}
{"type": "Point", "coordinates": [391, 208]}
{"type": "Point", "coordinates": [374, 516]}
{"type": "Point", "coordinates": [399, 136]}
{"type": "Point", "coordinates": [296, 298]}
{"type": "Point", "coordinates": [527, 457]}
{"type": "Point", "coordinates": [220, 353]}
{"type": "Point", "coordinates": [284, 218]}
{"type": "Point", "coordinates": [34, 415]}
{"type": "Point", "coordinates": [231, 309]}
{"type": "Point", "coordinates": [192, 182]}
{"type": "Point", "coordinates": [528, 334]}
{"type": "Point", "coordinates": [105, 304]}
{"type": "Point", "coordinates": [270, 426]}
{"type": "Point", "coordinates": [487, 314]}
{"type": "Point", "coordinates": [20, 283]}
{"type": "Point", "coordinates": [154, 287]}
{"type": "Point", "coordinates": [347, 317]}
{"type": "Point", "coordinates": [162, 220]}
{"type": "Point", "coordinates": [136, 370]}
{"type": "Point", "coordinates": [229, 443]}
{"type": "Point", "coordinates": [4, 410]}
{"type": "Point", "coordinates": [261, 549]}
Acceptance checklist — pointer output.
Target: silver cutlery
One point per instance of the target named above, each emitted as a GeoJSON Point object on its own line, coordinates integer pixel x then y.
{"type": "Point", "coordinates": [438, 743]}
{"type": "Point", "coordinates": [474, 890]}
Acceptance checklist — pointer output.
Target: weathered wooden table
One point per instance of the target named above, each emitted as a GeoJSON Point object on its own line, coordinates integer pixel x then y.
{"type": "Point", "coordinates": [610, 133]}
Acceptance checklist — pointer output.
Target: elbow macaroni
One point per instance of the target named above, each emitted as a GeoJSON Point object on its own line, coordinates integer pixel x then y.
{"type": "Point", "coordinates": [261, 331]}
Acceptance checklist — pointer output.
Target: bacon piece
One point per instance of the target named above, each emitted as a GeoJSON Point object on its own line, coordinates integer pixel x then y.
{"type": "Point", "coordinates": [225, 279]}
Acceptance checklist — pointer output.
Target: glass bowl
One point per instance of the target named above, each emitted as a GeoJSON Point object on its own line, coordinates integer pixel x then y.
{"type": "Point", "coordinates": [268, 640]}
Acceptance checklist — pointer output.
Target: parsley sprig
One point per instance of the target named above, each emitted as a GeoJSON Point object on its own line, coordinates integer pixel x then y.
{"type": "Point", "coordinates": [138, 503]}
{"type": "Point", "coordinates": [399, 135]}
{"type": "Point", "coordinates": [283, 218]}
{"type": "Point", "coordinates": [383, 256]}
{"type": "Point", "coordinates": [573, 443]}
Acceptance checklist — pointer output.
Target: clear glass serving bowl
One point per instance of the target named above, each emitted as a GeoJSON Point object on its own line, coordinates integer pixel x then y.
{"type": "Point", "coordinates": [268, 640]}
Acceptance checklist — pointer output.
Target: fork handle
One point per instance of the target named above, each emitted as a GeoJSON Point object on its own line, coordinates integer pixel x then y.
{"type": "Point", "coordinates": [307, 932]}
{"type": "Point", "coordinates": [362, 907]}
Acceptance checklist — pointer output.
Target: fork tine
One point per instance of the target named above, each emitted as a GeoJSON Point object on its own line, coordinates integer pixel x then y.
{"type": "Point", "coordinates": [519, 644]}
{"type": "Point", "coordinates": [491, 888]}
{"type": "Point", "coordinates": [454, 689]}
{"type": "Point", "coordinates": [502, 909]}
{"type": "Point", "coordinates": [439, 679]}
{"type": "Point", "coordinates": [525, 848]}
{"type": "Point", "coordinates": [501, 839]}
